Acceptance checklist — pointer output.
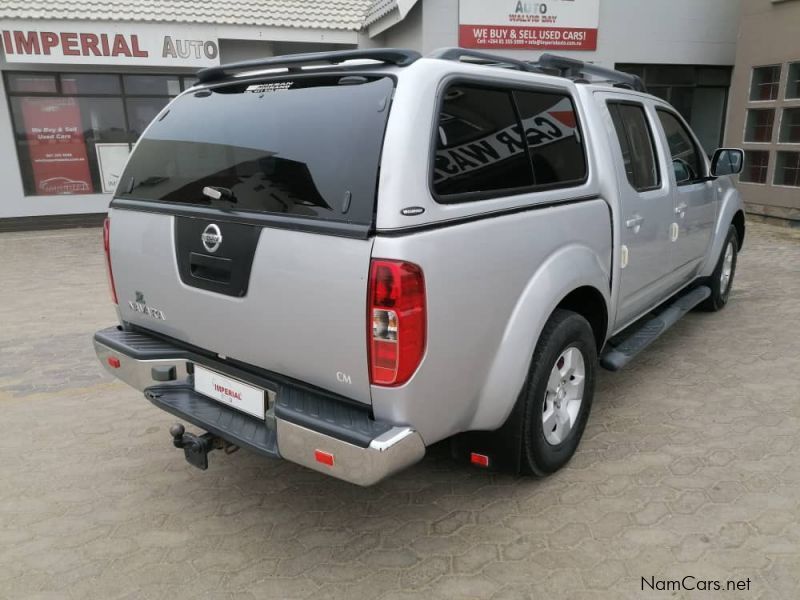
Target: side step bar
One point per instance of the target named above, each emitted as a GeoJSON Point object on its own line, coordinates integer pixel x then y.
{"type": "Point", "coordinates": [622, 348]}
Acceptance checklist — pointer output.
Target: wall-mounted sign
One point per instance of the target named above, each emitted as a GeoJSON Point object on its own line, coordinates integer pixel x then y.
{"type": "Point", "coordinates": [111, 159]}
{"type": "Point", "coordinates": [519, 25]}
{"type": "Point", "coordinates": [106, 43]}
{"type": "Point", "coordinates": [56, 146]}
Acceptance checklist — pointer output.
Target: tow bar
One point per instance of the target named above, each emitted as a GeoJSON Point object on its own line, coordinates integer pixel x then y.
{"type": "Point", "coordinates": [196, 448]}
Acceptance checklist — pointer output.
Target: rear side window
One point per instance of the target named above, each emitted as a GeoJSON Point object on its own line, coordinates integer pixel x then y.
{"type": "Point", "coordinates": [554, 143]}
{"type": "Point", "coordinates": [495, 141]}
{"type": "Point", "coordinates": [308, 146]}
{"type": "Point", "coordinates": [637, 145]}
{"type": "Point", "coordinates": [687, 160]}
{"type": "Point", "coordinates": [479, 148]}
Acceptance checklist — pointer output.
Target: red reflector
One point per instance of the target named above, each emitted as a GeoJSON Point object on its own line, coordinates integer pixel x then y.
{"type": "Point", "coordinates": [479, 459]}
{"type": "Point", "coordinates": [326, 458]}
{"type": "Point", "coordinates": [113, 362]}
{"type": "Point", "coordinates": [396, 321]}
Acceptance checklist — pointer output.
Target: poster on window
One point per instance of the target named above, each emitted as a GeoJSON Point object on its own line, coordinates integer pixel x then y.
{"type": "Point", "coordinates": [519, 25]}
{"type": "Point", "coordinates": [56, 146]}
{"type": "Point", "coordinates": [111, 159]}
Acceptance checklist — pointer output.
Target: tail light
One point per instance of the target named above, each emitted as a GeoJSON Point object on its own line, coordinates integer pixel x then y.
{"type": "Point", "coordinates": [395, 322]}
{"type": "Point", "coordinates": [107, 249]}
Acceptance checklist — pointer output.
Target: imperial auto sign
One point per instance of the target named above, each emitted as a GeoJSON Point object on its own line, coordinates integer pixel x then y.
{"type": "Point", "coordinates": [521, 25]}
{"type": "Point", "coordinates": [107, 43]}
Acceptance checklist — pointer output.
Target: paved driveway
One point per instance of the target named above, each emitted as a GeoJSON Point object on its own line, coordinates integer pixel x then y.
{"type": "Point", "coordinates": [690, 466]}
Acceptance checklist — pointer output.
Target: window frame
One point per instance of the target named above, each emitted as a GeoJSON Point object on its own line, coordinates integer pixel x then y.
{"type": "Point", "coordinates": [697, 147]}
{"type": "Point", "coordinates": [780, 124]}
{"type": "Point", "coordinates": [792, 65]}
{"type": "Point", "coordinates": [766, 172]}
{"type": "Point", "coordinates": [753, 111]}
{"type": "Point", "coordinates": [660, 179]}
{"type": "Point", "coordinates": [775, 170]}
{"type": "Point", "coordinates": [510, 87]}
{"type": "Point", "coordinates": [753, 70]}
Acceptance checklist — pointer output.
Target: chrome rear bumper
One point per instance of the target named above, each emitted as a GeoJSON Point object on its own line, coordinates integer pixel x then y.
{"type": "Point", "coordinates": [168, 383]}
{"type": "Point", "coordinates": [393, 451]}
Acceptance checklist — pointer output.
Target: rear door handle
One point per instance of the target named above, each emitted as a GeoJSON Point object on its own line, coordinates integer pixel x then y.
{"type": "Point", "coordinates": [210, 268]}
{"type": "Point", "coordinates": [634, 223]}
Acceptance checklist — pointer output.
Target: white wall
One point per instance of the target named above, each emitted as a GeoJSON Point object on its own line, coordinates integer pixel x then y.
{"type": "Point", "coordinates": [407, 33]}
{"type": "Point", "coordinates": [238, 50]}
{"type": "Point", "coordinates": [631, 31]}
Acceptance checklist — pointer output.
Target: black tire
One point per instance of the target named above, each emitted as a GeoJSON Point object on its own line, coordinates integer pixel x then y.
{"type": "Point", "coordinates": [563, 331]}
{"type": "Point", "coordinates": [719, 296]}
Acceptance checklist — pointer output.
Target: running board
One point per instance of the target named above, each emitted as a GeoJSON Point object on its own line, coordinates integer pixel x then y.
{"type": "Point", "coordinates": [622, 348]}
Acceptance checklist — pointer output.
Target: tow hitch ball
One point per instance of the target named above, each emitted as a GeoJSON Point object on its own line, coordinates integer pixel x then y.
{"type": "Point", "coordinates": [195, 448]}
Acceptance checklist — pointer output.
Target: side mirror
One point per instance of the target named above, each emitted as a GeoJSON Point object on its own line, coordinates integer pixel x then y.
{"type": "Point", "coordinates": [727, 161]}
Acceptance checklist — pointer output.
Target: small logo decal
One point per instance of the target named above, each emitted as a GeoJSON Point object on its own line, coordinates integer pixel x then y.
{"type": "Point", "coordinates": [212, 238]}
{"type": "Point", "coordinates": [343, 378]}
{"type": "Point", "coordinates": [412, 211]}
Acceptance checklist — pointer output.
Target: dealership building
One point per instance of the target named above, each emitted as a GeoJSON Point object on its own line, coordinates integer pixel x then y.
{"type": "Point", "coordinates": [81, 80]}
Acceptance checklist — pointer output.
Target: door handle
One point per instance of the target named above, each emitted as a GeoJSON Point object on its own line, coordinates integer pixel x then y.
{"type": "Point", "coordinates": [210, 268]}
{"type": "Point", "coordinates": [634, 223]}
{"type": "Point", "coordinates": [680, 210]}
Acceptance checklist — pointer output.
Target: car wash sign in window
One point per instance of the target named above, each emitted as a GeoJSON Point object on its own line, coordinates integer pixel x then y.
{"type": "Point", "coordinates": [531, 25]}
{"type": "Point", "coordinates": [100, 43]}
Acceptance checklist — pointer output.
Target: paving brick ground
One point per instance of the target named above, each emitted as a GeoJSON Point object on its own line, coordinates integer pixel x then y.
{"type": "Point", "coordinates": [690, 466]}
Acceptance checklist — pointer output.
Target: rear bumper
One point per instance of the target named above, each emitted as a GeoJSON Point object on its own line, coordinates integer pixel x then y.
{"type": "Point", "coordinates": [299, 420]}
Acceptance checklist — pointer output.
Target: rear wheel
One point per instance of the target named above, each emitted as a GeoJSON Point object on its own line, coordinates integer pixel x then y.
{"type": "Point", "coordinates": [558, 393]}
{"type": "Point", "coordinates": [721, 280]}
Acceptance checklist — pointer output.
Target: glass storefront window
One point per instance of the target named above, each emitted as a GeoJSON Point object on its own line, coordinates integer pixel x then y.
{"type": "Point", "coordinates": [765, 83]}
{"type": "Point", "coordinates": [759, 125]}
{"type": "Point", "coordinates": [86, 83]}
{"type": "Point", "coordinates": [73, 131]}
{"type": "Point", "coordinates": [32, 83]}
{"type": "Point", "coordinates": [756, 165]}
{"type": "Point", "coordinates": [698, 92]}
{"type": "Point", "coordinates": [152, 85]}
{"type": "Point", "coordinates": [787, 169]}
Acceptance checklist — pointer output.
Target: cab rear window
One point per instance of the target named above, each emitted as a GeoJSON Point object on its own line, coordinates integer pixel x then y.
{"type": "Point", "coordinates": [303, 147]}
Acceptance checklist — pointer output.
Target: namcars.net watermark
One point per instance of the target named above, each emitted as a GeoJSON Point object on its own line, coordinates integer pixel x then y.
{"type": "Point", "coordinates": [690, 583]}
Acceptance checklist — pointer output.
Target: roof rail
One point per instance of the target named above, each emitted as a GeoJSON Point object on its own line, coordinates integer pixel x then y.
{"type": "Point", "coordinates": [572, 68]}
{"type": "Point", "coordinates": [548, 64]}
{"type": "Point", "coordinates": [394, 56]}
{"type": "Point", "coordinates": [483, 58]}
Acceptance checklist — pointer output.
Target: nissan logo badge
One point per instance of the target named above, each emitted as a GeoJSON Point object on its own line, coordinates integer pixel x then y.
{"type": "Point", "coordinates": [212, 238]}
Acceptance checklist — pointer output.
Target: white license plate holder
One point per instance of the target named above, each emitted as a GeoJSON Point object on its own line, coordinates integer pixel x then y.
{"type": "Point", "coordinates": [230, 391]}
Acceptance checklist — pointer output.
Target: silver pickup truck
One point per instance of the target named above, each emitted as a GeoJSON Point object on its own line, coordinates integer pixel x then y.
{"type": "Point", "coordinates": [339, 259]}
